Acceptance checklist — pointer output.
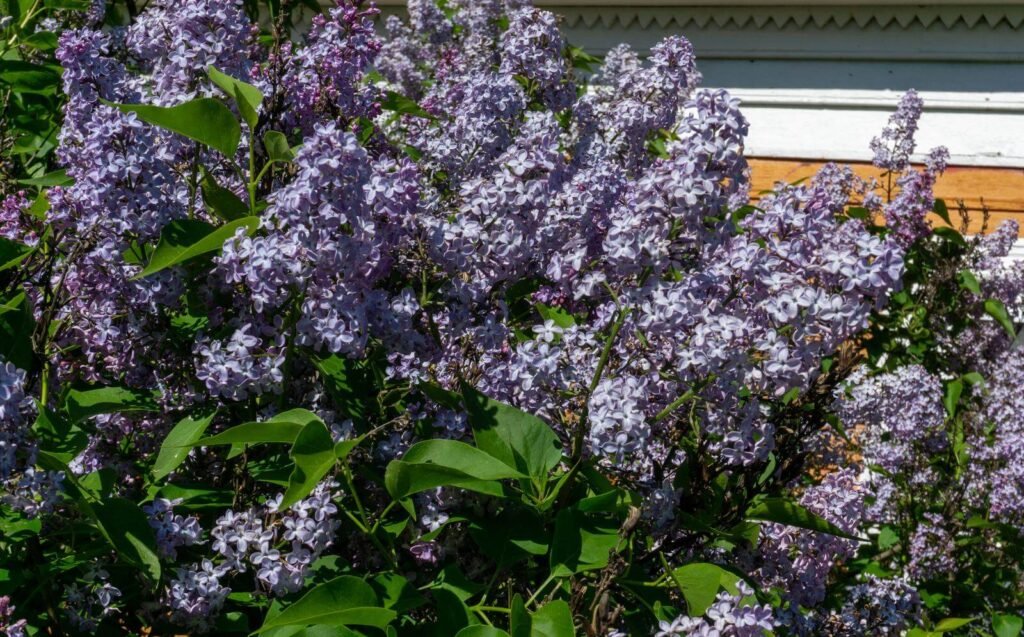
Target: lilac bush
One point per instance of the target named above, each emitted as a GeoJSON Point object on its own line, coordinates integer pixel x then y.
{"type": "Point", "coordinates": [442, 327]}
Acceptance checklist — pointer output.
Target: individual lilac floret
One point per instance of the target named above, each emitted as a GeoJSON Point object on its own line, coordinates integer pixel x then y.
{"type": "Point", "coordinates": [896, 144]}
{"type": "Point", "coordinates": [426, 554]}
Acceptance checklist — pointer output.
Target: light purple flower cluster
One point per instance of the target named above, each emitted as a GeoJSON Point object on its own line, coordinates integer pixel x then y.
{"type": "Point", "coordinates": [172, 530]}
{"type": "Point", "coordinates": [902, 418]}
{"type": "Point", "coordinates": [10, 628]}
{"type": "Point", "coordinates": [16, 223]}
{"type": "Point", "coordinates": [731, 615]}
{"type": "Point", "coordinates": [896, 144]}
{"type": "Point", "coordinates": [174, 43]}
{"type": "Point", "coordinates": [590, 256]}
{"type": "Point", "coordinates": [875, 606]}
{"type": "Point", "coordinates": [322, 79]}
{"type": "Point", "coordinates": [800, 562]}
{"type": "Point", "coordinates": [275, 547]}
{"type": "Point", "coordinates": [90, 600]}
{"type": "Point", "coordinates": [932, 549]}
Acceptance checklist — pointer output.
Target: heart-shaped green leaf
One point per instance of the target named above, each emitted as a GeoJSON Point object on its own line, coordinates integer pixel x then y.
{"type": "Point", "coordinates": [344, 601]}
{"type": "Point", "coordinates": [186, 239]}
{"type": "Point", "coordinates": [204, 120]}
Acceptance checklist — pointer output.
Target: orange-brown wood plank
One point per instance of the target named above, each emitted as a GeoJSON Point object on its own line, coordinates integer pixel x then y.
{"type": "Point", "coordinates": [1001, 190]}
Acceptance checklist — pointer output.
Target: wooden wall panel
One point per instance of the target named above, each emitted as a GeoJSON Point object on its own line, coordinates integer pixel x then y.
{"type": "Point", "coordinates": [999, 189]}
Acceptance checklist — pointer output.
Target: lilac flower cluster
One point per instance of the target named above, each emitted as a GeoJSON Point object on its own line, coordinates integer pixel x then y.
{"type": "Point", "coordinates": [89, 601]}
{"type": "Point", "coordinates": [276, 547]}
{"type": "Point", "coordinates": [174, 43]}
{"type": "Point", "coordinates": [172, 530]}
{"type": "Point", "coordinates": [10, 628]}
{"type": "Point", "coordinates": [322, 80]}
{"type": "Point", "coordinates": [800, 562]}
{"type": "Point", "coordinates": [902, 417]}
{"type": "Point", "coordinates": [874, 607]}
{"type": "Point", "coordinates": [731, 615]}
{"type": "Point", "coordinates": [590, 256]}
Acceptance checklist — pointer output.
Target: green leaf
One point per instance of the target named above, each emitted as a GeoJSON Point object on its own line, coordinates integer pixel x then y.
{"type": "Point", "coordinates": [951, 235]}
{"type": "Point", "coordinates": [942, 211]}
{"type": "Point", "coordinates": [790, 513]}
{"type": "Point", "coordinates": [452, 613]}
{"type": "Point", "coordinates": [700, 582]}
{"type": "Point", "coordinates": [973, 378]}
{"type": "Point", "coordinates": [277, 146]}
{"type": "Point", "coordinates": [554, 619]}
{"type": "Point", "coordinates": [996, 309]}
{"type": "Point", "coordinates": [583, 60]}
{"type": "Point", "coordinates": [247, 96]}
{"type": "Point", "coordinates": [520, 623]}
{"type": "Point", "coordinates": [582, 542]}
{"type": "Point", "coordinates": [186, 239]}
{"type": "Point", "coordinates": [127, 529]}
{"type": "Point", "coordinates": [518, 439]}
{"type": "Point", "coordinates": [204, 120]}
{"type": "Point", "coordinates": [887, 538]}
{"type": "Point", "coordinates": [42, 40]}
{"type": "Point", "coordinates": [314, 456]}
{"type": "Point", "coordinates": [81, 404]}
{"type": "Point", "coordinates": [951, 623]}
{"type": "Point", "coordinates": [12, 253]}
{"type": "Point", "coordinates": [559, 316]}
{"type": "Point", "coordinates": [1007, 625]}
{"type": "Point", "coordinates": [454, 581]}
{"type": "Point", "coordinates": [481, 631]}
{"type": "Point", "coordinates": [396, 592]}
{"type": "Point", "coordinates": [224, 203]}
{"type": "Point", "coordinates": [254, 433]}
{"type": "Point", "coordinates": [344, 601]}
{"type": "Point", "coordinates": [59, 435]}
{"type": "Point", "coordinates": [970, 282]}
{"type": "Point", "coordinates": [349, 384]}
{"type": "Point", "coordinates": [401, 104]}
{"type": "Point", "coordinates": [76, 5]}
{"type": "Point", "coordinates": [439, 463]}
{"type": "Point", "coordinates": [16, 326]}
{"type": "Point", "coordinates": [27, 77]}
{"type": "Point", "coordinates": [55, 178]}
{"type": "Point", "coordinates": [512, 536]}
{"type": "Point", "coordinates": [954, 389]}
{"type": "Point", "coordinates": [178, 442]}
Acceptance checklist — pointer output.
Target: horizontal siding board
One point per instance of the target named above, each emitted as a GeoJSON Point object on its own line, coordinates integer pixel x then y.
{"type": "Point", "coordinates": [1001, 190]}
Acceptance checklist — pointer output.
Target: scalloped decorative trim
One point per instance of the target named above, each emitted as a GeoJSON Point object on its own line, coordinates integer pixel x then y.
{"type": "Point", "coordinates": [800, 17]}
